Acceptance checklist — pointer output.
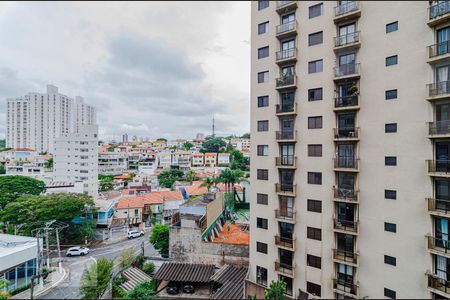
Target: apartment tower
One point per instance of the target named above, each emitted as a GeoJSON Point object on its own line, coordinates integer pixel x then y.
{"type": "Point", "coordinates": [350, 127]}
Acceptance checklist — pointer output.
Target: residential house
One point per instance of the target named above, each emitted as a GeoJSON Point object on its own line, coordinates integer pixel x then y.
{"type": "Point", "coordinates": [210, 159]}
{"type": "Point", "coordinates": [223, 159]}
{"type": "Point", "coordinates": [198, 160]}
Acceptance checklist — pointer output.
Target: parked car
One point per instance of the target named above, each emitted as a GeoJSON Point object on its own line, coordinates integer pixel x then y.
{"type": "Point", "coordinates": [135, 233]}
{"type": "Point", "coordinates": [188, 288]}
{"type": "Point", "coordinates": [172, 288]}
{"type": "Point", "coordinates": [77, 251]}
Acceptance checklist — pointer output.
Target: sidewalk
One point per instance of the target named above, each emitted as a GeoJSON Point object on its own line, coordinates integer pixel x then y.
{"type": "Point", "coordinates": [53, 279]}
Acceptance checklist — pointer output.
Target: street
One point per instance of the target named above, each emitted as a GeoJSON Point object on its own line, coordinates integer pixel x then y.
{"type": "Point", "coordinates": [70, 288]}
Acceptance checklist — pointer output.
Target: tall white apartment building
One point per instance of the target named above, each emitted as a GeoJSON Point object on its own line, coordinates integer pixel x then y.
{"type": "Point", "coordinates": [36, 119]}
{"type": "Point", "coordinates": [350, 133]}
{"type": "Point", "coordinates": [76, 158]}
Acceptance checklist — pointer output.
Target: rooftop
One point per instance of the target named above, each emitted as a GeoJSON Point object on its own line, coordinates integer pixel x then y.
{"type": "Point", "coordinates": [58, 184]}
{"type": "Point", "coordinates": [10, 244]}
{"type": "Point", "coordinates": [236, 235]}
{"type": "Point", "coordinates": [185, 272]}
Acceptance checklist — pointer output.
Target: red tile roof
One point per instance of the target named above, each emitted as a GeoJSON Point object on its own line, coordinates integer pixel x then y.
{"type": "Point", "coordinates": [196, 189]}
{"type": "Point", "coordinates": [21, 150]}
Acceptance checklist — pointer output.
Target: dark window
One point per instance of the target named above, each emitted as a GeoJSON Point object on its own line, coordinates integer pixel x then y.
{"type": "Point", "coordinates": [390, 127]}
{"type": "Point", "coordinates": [313, 289]}
{"type": "Point", "coordinates": [263, 52]}
{"type": "Point", "coordinates": [262, 174]}
{"type": "Point", "coordinates": [314, 178]}
{"type": "Point", "coordinates": [315, 94]}
{"type": "Point", "coordinates": [314, 233]}
{"type": "Point", "coordinates": [261, 223]}
{"type": "Point", "coordinates": [315, 150]}
{"type": "Point", "coordinates": [261, 275]}
{"type": "Point", "coordinates": [390, 260]}
{"type": "Point", "coordinates": [314, 261]}
{"type": "Point", "coordinates": [263, 150]}
{"type": "Point", "coordinates": [315, 66]}
{"type": "Point", "coordinates": [315, 205]}
{"type": "Point", "coordinates": [390, 161]}
{"type": "Point", "coordinates": [263, 125]}
{"type": "Point", "coordinates": [263, 101]}
{"type": "Point", "coordinates": [390, 194]}
{"type": "Point", "coordinates": [315, 10]}
{"type": "Point", "coordinates": [314, 122]}
{"type": "Point", "coordinates": [389, 293]}
{"type": "Point", "coordinates": [263, 27]}
{"type": "Point", "coordinates": [391, 60]}
{"type": "Point", "coordinates": [261, 247]}
{"type": "Point", "coordinates": [263, 4]}
{"type": "Point", "coordinates": [262, 199]}
{"type": "Point", "coordinates": [263, 76]}
{"type": "Point", "coordinates": [391, 227]}
{"type": "Point", "coordinates": [390, 94]}
{"type": "Point", "coordinates": [391, 27]}
{"type": "Point", "coordinates": [315, 38]}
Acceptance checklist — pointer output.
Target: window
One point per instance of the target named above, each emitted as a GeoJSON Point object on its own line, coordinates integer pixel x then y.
{"type": "Point", "coordinates": [261, 247]}
{"type": "Point", "coordinates": [263, 125]}
{"type": "Point", "coordinates": [263, 150]}
{"type": "Point", "coordinates": [315, 150]}
{"type": "Point", "coordinates": [261, 275]}
{"type": "Point", "coordinates": [390, 127]}
{"type": "Point", "coordinates": [315, 10]}
{"type": "Point", "coordinates": [263, 4]}
{"type": "Point", "coordinates": [390, 260]}
{"type": "Point", "coordinates": [314, 261]}
{"type": "Point", "coordinates": [315, 94]}
{"type": "Point", "coordinates": [315, 38]}
{"type": "Point", "coordinates": [389, 293]}
{"type": "Point", "coordinates": [262, 199]}
{"type": "Point", "coordinates": [315, 66]}
{"type": "Point", "coordinates": [391, 60]}
{"type": "Point", "coordinates": [391, 94]}
{"type": "Point", "coordinates": [390, 194]}
{"type": "Point", "coordinates": [390, 161]}
{"type": "Point", "coordinates": [315, 205]}
{"type": "Point", "coordinates": [313, 289]}
{"type": "Point", "coordinates": [263, 101]}
{"type": "Point", "coordinates": [314, 122]}
{"type": "Point", "coordinates": [261, 223]}
{"type": "Point", "coordinates": [263, 52]}
{"type": "Point", "coordinates": [391, 27]}
{"type": "Point", "coordinates": [262, 174]}
{"type": "Point", "coordinates": [263, 76]}
{"type": "Point", "coordinates": [391, 227]}
{"type": "Point", "coordinates": [314, 233]}
{"type": "Point", "coordinates": [314, 178]}
{"type": "Point", "coordinates": [263, 28]}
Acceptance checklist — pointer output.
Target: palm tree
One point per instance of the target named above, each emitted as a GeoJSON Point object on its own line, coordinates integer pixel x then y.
{"type": "Point", "coordinates": [226, 177]}
{"type": "Point", "coordinates": [190, 176]}
{"type": "Point", "coordinates": [209, 182]}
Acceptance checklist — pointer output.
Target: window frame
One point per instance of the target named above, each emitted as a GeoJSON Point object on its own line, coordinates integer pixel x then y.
{"type": "Point", "coordinates": [314, 150]}
{"type": "Point", "coordinates": [390, 128]}
{"type": "Point", "coordinates": [388, 192]}
{"type": "Point", "coordinates": [262, 223]}
{"type": "Point", "coordinates": [262, 174]}
{"type": "Point", "coordinates": [262, 4]}
{"type": "Point", "coordinates": [261, 247]}
{"type": "Point", "coordinates": [263, 52]}
{"type": "Point", "coordinates": [262, 101]}
{"type": "Point", "coordinates": [312, 40]}
{"type": "Point", "coordinates": [314, 178]}
{"type": "Point", "coordinates": [314, 233]}
{"type": "Point", "coordinates": [315, 64]}
{"type": "Point", "coordinates": [390, 161]}
{"type": "Point", "coordinates": [316, 121]}
{"type": "Point", "coordinates": [314, 205]}
{"type": "Point", "coordinates": [264, 25]}
{"type": "Point", "coordinates": [313, 261]}
{"type": "Point", "coordinates": [264, 152]}
{"type": "Point", "coordinates": [262, 199]}
{"type": "Point", "coordinates": [315, 92]}
{"type": "Point", "coordinates": [312, 288]}
{"type": "Point", "coordinates": [389, 25]}
{"type": "Point", "coordinates": [390, 227]}
{"type": "Point", "coordinates": [389, 58]}
{"type": "Point", "coordinates": [311, 10]}
{"type": "Point", "coordinates": [390, 260]}
{"type": "Point", "coordinates": [262, 125]}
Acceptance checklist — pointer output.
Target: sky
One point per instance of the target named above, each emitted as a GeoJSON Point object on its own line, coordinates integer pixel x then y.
{"type": "Point", "coordinates": [152, 69]}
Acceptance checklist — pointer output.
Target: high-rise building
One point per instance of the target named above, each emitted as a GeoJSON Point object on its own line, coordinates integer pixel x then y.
{"type": "Point", "coordinates": [125, 139]}
{"type": "Point", "coordinates": [350, 130]}
{"type": "Point", "coordinates": [36, 119]}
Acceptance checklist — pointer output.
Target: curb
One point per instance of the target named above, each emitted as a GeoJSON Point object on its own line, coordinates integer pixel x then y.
{"type": "Point", "coordinates": [46, 290]}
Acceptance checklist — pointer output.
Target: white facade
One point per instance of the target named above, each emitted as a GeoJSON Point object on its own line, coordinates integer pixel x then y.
{"type": "Point", "coordinates": [112, 163]}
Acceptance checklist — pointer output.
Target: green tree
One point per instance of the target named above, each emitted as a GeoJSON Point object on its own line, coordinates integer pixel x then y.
{"type": "Point", "coordinates": [168, 177]}
{"type": "Point", "coordinates": [162, 139]}
{"type": "Point", "coordinates": [160, 239]}
{"type": "Point", "coordinates": [209, 182]}
{"type": "Point", "coordinates": [106, 184]}
{"type": "Point", "coordinates": [12, 187]}
{"type": "Point", "coordinates": [149, 268]}
{"type": "Point", "coordinates": [276, 290]}
{"type": "Point", "coordinates": [229, 147]}
{"type": "Point", "coordinates": [245, 135]}
{"type": "Point", "coordinates": [213, 145]}
{"type": "Point", "coordinates": [49, 163]}
{"type": "Point", "coordinates": [187, 145]}
{"type": "Point", "coordinates": [190, 176]}
{"type": "Point", "coordinates": [144, 290]}
{"type": "Point", "coordinates": [126, 258]}
{"type": "Point", "coordinates": [96, 278]}
{"type": "Point", "coordinates": [2, 169]}
{"type": "Point", "coordinates": [230, 178]}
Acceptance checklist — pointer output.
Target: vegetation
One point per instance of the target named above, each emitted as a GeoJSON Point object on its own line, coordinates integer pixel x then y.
{"type": "Point", "coordinates": [3, 284]}
{"type": "Point", "coordinates": [106, 183]}
{"type": "Point", "coordinates": [245, 135]}
{"type": "Point", "coordinates": [12, 187]}
{"type": "Point", "coordinates": [168, 177]}
{"type": "Point", "coordinates": [139, 260]}
{"type": "Point", "coordinates": [187, 145]}
{"type": "Point", "coordinates": [238, 161]}
{"type": "Point", "coordinates": [126, 258]}
{"type": "Point", "coordinates": [213, 145]}
{"type": "Point", "coordinates": [209, 182]}
{"type": "Point", "coordinates": [230, 178]}
{"type": "Point", "coordinates": [160, 239]}
{"type": "Point", "coordinates": [190, 176]}
{"type": "Point", "coordinates": [144, 290]}
{"type": "Point", "coordinates": [162, 139]}
{"type": "Point", "coordinates": [148, 268]}
{"type": "Point", "coordinates": [2, 169]}
{"type": "Point", "coordinates": [96, 278]}
{"type": "Point", "coordinates": [49, 163]}
{"type": "Point", "coordinates": [276, 290]}
{"type": "Point", "coordinates": [2, 143]}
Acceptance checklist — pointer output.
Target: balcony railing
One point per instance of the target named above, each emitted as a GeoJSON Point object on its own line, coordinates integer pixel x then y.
{"type": "Point", "coordinates": [283, 3]}
{"type": "Point", "coordinates": [286, 108]}
{"type": "Point", "coordinates": [345, 194]}
{"type": "Point", "coordinates": [285, 214]}
{"type": "Point", "coordinates": [286, 54]}
{"type": "Point", "coordinates": [345, 286]}
{"type": "Point", "coordinates": [284, 242]}
{"type": "Point", "coordinates": [286, 135]}
{"type": "Point", "coordinates": [439, 49]}
{"type": "Point", "coordinates": [286, 160]}
{"type": "Point", "coordinates": [347, 39]}
{"type": "Point", "coordinates": [439, 166]}
{"type": "Point", "coordinates": [286, 81]}
{"type": "Point", "coordinates": [439, 9]}
{"type": "Point", "coordinates": [346, 162]}
{"type": "Point", "coordinates": [437, 283]}
{"type": "Point", "coordinates": [438, 205]}
{"type": "Point", "coordinates": [439, 245]}
{"type": "Point", "coordinates": [346, 133]}
{"type": "Point", "coordinates": [345, 101]}
{"type": "Point", "coordinates": [438, 88]}
{"type": "Point", "coordinates": [286, 27]}
{"type": "Point", "coordinates": [286, 188]}
{"type": "Point", "coordinates": [345, 256]}
{"type": "Point", "coordinates": [284, 268]}
{"type": "Point", "coordinates": [439, 127]}
{"type": "Point", "coordinates": [346, 70]}
{"type": "Point", "coordinates": [346, 8]}
{"type": "Point", "coordinates": [351, 226]}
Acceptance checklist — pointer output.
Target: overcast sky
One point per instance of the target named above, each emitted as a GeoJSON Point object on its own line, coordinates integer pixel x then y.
{"type": "Point", "coordinates": [152, 69]}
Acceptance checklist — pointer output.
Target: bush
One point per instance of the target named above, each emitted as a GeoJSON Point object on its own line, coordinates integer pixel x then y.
{"type": "Point", "coordinates": [144, 290]}
{"type": "Point", "coordinates": [160, 239]}
{"type": "Point", "coordinates": [140, 260]}
{"type": "Point", "coordinates": [118, 280]}
{"type": "Point", "coordinates": [117, 292]}
{"type": "Point", "coordinates": [149, 268]}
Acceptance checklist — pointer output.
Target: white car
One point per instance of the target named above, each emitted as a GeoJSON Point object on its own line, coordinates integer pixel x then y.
{"type": "Point", "coordinates": [134, 234]}
{"type": "Point", "coordinates": [76, 251]}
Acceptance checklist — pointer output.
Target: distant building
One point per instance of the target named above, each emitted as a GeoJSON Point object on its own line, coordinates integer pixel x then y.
{"type": "Point", "coordinates": [112, 163]}
{"type": "Point", "coordinates": [125, 139]}
{"type": "Point", "coordinates": [223, 159]}
{"type": "Point", "coordinates": [200, 136]}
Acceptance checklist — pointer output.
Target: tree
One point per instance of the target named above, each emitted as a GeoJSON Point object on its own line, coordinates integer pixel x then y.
{"type": "Point", "coordinates": [49, 163]}
{"type": "Point", "coordinates": [229, 147]}
{"type": "Point", "coordinates": [187, 145]}
{"type": "Point", "coordinates": [126, 258]}
{"type": "Point", "coordinates": [190, 176]}
{"type": "Point", "coordinates": [96, 278]}
{"type": "Point", "coordinates": [276, 290]}
{"type": "Point", "coordinates": [230, 178]}
{"type": "Point", "coordinates": [144, 290]}
{"type": "Point", "coordinates": [209, 182]}
{"type": "Point", "coordinates": [2, 169]}
{"type": "Point", "coordinates": [149, 268]}
{"type": "Point", "coordinates": [162, 139]}
{"type": "Point", "coordinates": [213, 145]}
{"type": "Point", "coordinates": [160, 239]}
{"type": "Point", "coordinates": [12, 187]}
{"type": "Point", "coordinates": [168, 177]}
{"type": "Point", "coordinates": [106, 184]}
{"type": "Point", "coordinates": [245, 135]}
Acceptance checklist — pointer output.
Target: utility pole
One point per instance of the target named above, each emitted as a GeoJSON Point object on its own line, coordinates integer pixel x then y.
{"type": "Point", "coordinates": [47, 246]}
{"type": "Point", "coordinates": [59, 251]}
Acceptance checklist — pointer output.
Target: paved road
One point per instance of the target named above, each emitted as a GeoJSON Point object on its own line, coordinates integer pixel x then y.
{"type": "Point", "coordinates": [70, 288]}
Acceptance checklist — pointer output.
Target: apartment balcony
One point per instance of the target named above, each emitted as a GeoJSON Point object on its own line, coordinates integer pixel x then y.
{"type": "Point", "coordinates": [288, 56]}
{"type": "Point", "coordinates": [438, 285]}
{"type": "Point", "coordinates": [285, 269]}
{"type": "Point", "coordinates": [439, 168]}
{"type": "Point", "coordinates": [341, 256]}
{"type": "Point", "coordinates": [439, 52]}
{"type": "Point", "coordinates": [285, 243]}
{"type": "Point", "coordinates": [346, 103]}
{"type": "Point", "coordinates": [286, 162]}
{"type": "Point", "coordinates": [438, 246]}
{"type": "Point", "coordinates": [344, 226]}
{"type": "Point", "coordinates": [438, 91]}
{"type": "Point", "coordinates": [286, 30]}
{"type": "Point", "coordinates": [286, 189]}
{"type": "Point", "coordinates": [286, 82]}
{"type": "Point", "coordinates": [344, 287]}
{"type": "Point", "coordinates": [347, 72]}
{"type": "Point", "coordinates": [346, 134]}
{"type": "Point", "coordinates": [346, 164]}
{"type": "Point", "coordinates": [439, 207]}
{"type": "Point", "coordinates": [286, 109]}
{"type": "Point", "coordinates": [439, 129]}
{"type": "Point", "coordinates": [285, 215]}
{"type": "Point", "coordinates": [286, 136]}
{"type": "Point", "coordinates": [347, 42]}
{"type": "Point", "coordinates": [347, 11]}
{"type": "Point", "coordinates": [286, 6]}
{"type": "Point", "coordinates": [345, 195]}
{"type": "Point", "coordinates": [438, 13]}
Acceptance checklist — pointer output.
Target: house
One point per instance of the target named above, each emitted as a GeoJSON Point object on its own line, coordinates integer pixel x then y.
{"type": "Point", "coordinates": [165, 160]}
{"type": "Point", "coordinates": [18, 155]}
{"type": "Point", "coordinates": [198, 160]}
{"type": "Point", "coordinates": [210, 159]}
{"type": "Point", "coordinates": [112, 163]}
{"type": "Point", "coordinates": [131, 209]}
{"type": "Point", "coordinates": [195, 189]}
{"type": "Point", "coordinates": [223, 159]}
{"type": "Point", "coordinates": [105, 209]}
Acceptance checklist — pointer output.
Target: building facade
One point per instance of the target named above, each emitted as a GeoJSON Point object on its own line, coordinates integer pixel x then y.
{"type": "Point", "coordinates": [349, 127]}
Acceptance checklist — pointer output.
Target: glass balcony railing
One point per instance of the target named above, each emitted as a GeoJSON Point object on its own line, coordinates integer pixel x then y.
{"type": "Point", "coordinates": [439, 49]}
{"type": "Point", "coordinates": [346, 8]}
{"type": "Point", "coordinates": [348, 39]}
{"type": "Point", "coordinates": [439, 88]}
{"type": "Point", "coordinates": [286, 27]}
{"type": "Point", "coordinates": [439, 9]}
